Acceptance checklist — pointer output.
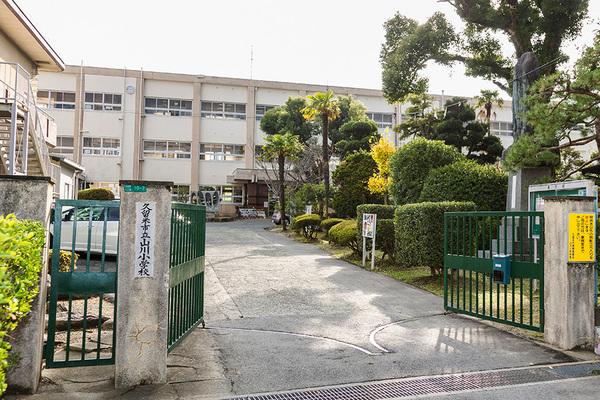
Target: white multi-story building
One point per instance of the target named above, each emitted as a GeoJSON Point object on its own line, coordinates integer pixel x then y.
{"type": "Point", "coordinates": [197, 131]}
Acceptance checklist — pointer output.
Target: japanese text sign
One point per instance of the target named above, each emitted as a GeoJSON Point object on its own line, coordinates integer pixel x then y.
{"type": "Point", "coordinates": [582, 238]}
{"type": "Point", "coordinates": [145, 220]}
{"type": "Point", "coordinates": [368, 225]}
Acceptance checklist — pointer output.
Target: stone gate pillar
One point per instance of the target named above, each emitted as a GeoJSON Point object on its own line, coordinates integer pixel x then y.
{"type": "Point", "coordinates": [568, 281]}
{"type": "Point", "coordinates": [143, 283]}
{"type": "Point", "coordinates": [28, 197]}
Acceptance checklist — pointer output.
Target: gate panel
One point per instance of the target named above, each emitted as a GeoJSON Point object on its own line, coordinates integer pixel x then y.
{"type": "Point", "coordinates": [470, 241]}
{"type": "Point", "coordinates": [186, 274]}
{"type": "Point", "coordinates": [77, 307]}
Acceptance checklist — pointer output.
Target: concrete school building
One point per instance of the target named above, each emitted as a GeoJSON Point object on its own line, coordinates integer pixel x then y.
{"type": "Point", "coordinates": [201, 132]}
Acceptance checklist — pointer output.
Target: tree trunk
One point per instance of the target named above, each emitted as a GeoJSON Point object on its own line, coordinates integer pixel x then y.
{"type": "Point", "coordinates": [326, 163]}
{"type": "Point", "coordinates": [281, 162]}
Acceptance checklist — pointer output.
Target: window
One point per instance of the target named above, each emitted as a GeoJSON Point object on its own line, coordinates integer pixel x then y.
{"type": "Point", "coordinates": [172, 107]}
{"type": "Point", "coordinates": [64, 145]}
{"type": "Point", "coordinates": [502, 128]}
{"type": "Point", "coordinates": [228, 193]}
{"type": "Point", "coordinates": [220, 110]}
{"type": "Point", "coordinates": [181, 193]}
{"type": "Point", "coordinates": [167, 149]}
{"type": "Point", "coordinates": [221, 152]}
{"type": "Point", "coordinates": [56, 99]}
{"type": "Point", "coordinates": [383, 120]}
{"type": "Point", "coordinates": [261, 110]}
{"type": "Point", "coordinates": [95, 146]}
{"type": "Point", "coordinates": [102, 101]}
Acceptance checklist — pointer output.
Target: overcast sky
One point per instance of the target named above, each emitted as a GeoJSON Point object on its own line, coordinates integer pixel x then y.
{"type": "Point", "coordinates": [333, 42]}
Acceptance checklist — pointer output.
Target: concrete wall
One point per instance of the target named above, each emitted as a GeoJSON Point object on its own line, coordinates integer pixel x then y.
{"type": "Point", "coordinates": [9, 52]}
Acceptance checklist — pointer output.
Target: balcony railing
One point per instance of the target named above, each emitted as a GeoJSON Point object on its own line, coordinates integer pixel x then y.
{"type": "Point", "coordinates": [22, 120]}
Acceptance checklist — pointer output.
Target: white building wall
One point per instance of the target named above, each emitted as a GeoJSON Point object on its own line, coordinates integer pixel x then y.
{"type": "Point", "coordinates": [168, 89]}
{"type": "Point", "coordinates": [11, 53]}
{"type": "Point", "coordinates": [176, 171]}
{"type": "Point", "coordinates": [233, 94]}
{"type": "Point", "coordinates": [215, 172]}
{"type": "Point", "coordinates": [229, 131]}
{"type": "Point", "coordinates": [167, 127]}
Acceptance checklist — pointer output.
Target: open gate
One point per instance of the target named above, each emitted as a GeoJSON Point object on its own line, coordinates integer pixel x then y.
{"type": "Point", "coordinates": [77, 307]}
{"type": "Point", "coordinates": [186, 273]}
{"type": "Point", "coordinates": [471, 239]}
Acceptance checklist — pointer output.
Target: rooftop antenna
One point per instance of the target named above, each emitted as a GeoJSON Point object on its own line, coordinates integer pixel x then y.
{"type": "Point", "coordinates": [251, 59]}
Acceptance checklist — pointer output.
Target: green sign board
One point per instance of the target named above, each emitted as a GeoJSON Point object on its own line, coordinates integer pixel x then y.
{"type": "Point", "coordinates": [135, 188]}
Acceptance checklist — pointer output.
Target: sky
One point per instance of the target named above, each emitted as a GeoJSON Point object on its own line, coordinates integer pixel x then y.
{"type": "Point", "coordinates": [330, 42]}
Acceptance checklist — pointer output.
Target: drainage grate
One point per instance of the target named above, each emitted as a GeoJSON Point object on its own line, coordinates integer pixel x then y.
{"type": "Point", "coordinates": [435, 384]}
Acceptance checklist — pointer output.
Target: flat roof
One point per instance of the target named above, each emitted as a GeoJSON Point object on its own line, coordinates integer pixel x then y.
{"type": "Point", "coordinates": [25, 35]}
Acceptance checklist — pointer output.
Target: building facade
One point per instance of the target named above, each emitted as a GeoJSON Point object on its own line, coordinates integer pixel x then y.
{"type": "Point", "coordinates": [200, 132]}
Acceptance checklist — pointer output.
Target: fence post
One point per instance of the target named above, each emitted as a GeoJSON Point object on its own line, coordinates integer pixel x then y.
{"type": "Point", "coordinates": [28, 197]}
{"type": "Point", "coordinates": [143, 283]}
{"type": "Point", "coordinates": [568, 286]}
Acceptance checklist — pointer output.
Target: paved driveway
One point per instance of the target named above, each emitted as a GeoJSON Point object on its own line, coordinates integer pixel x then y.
{"type": "Point", "coordinates": [286, 315]}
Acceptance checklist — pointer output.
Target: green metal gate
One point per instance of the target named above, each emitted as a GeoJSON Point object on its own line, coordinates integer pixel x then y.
{"type": "Point", "coordinates": [77, 307]}
{"type": "Point", "coordinates": [470, 241]}
{"type": "Point", "coordinates": [186, 274]}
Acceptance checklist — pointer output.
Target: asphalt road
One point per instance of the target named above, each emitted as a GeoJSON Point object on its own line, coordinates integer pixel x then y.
{"type": "Point", "coordinates": [285, 315]}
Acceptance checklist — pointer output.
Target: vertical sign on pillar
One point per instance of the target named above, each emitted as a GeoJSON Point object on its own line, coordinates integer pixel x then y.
{"type": "Point", "coordinates": [369, 229]}
{"type": "Point", "coordinates": [582, 238]}
{"type": "Point", "coordinates": [145, 221]}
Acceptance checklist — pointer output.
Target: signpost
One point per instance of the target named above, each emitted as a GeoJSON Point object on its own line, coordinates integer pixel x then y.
{"type": "Point", "coordinates": [308, 209]}
{"type": "Point", "coordinates": [369, 231]}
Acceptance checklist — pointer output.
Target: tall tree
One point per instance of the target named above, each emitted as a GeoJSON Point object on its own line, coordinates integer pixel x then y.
{"type": "Point", "coordinates": [564, 111]}
{"type": "Point", "coordinates": [289, 118]}
{"type": "Point", "coordinates": [356, 135]}
{"type": "Point", "coordinates": [379, 183]}
{"type": "Point", "coordinates": [324, 107]}
{"type": "Point", "coordinates": [485, 103]}
{"type": "Point", "coordinates": [281, 147]}
{"type": "Point", "coordinates": [539, 26]}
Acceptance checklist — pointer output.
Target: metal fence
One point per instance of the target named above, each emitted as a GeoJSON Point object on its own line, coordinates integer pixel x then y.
{"type": "Point", "coordinates": [470, 241]}
{"type": "Point", "coordinates": [186, 274]}
{"type": "Point", "coordinates": [78, 308]}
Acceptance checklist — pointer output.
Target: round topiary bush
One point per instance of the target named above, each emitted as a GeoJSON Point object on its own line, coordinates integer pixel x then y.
{"type": "Point", "coordinates": [95, 194]}
{"type": "Point", "coordinates": [344, 234]}
{"type": "Point", "coordinates": [411, 164]}
{"type": "Point", "coordinates": [484, 185]}
{"type": "Point", "coordinates": [329, 223]}
{"type": "Point", "coordinates": [308, 224]}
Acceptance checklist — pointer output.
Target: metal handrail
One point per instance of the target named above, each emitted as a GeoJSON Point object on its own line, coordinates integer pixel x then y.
{"type": "Point", "coordinates": [26, 99]}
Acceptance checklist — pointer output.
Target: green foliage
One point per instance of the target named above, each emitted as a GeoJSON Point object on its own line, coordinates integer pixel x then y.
{"type": "Point", "coordinates": [354, 136]}
{"type": "Point", "coordinates": [308, 194]}
{"type": "Point", "coordinates": [537, 26]}
{"type": "Point", "coordinates": [344, 234]}
{"type": "Point", "coordinates": [307, 224]}
{"type": "Point", "coordinates": [95, 194]}
{"type": "Point", "coordinates": [411, 164]}
{"type": "Point", "coordinates": [350, 110]}
{"type": "Point", "coordinates": [564, 110]}
{"type": "Point", "coordinates": [288, 118]}
{"type": "Point", "coordinates": [419, 231]}
{"type": "Point", "coordinates": [281, 146]}
{"type": "Point", "coordinates": [351, 178]}
{"type": "Point", "coordinates": [64, 260]}
{"type": "Point", "coordinates": [21, 246]}
{"type": "Point", "coordinates": [484, 185]}
{"type": "Point", "coordinates": [329, 223]}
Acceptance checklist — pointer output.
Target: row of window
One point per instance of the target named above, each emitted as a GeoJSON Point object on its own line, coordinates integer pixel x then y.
{"type": "Point", "coordinates": [167, 149]}
{"type": "Point", "coordinates": [172, 107]}
{"type": "Point", "coordinates": [501, 128]}
{"type": "Point", "coordinates": [221, 152]}
{"type": "Point", "coordinates": [383, 120]}
{"type": "Point", "coordinates": [95, 146]}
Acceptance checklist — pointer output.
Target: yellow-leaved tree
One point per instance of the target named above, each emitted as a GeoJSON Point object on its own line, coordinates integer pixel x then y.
{"type": "Point", "coordinates": [381, 152]}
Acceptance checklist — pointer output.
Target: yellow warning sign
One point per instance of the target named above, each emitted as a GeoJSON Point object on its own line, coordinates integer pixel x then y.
{"type": "Point", "coordinates": [582, 246]}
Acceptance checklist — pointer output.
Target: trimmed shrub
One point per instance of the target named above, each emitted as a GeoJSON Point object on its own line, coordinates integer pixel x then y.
{"type": "Point", "coordinates": [344, 234]}
{"type": "Point", "coordinates": [484, 185]}
{"type": "Point", "coordinates": [95, 194]}
{"type": "Point", "coordinates": [21, 246]}
{"type": "Point", "coordinates": [411, 164]}
{"type": "Point", "coordinates": [351, 179]}
{"type": "Point", "coordinates": [308, 224]}
{"type": "Point", "coordinates": [64, 260]}
{"type": "Point", "coordinates": [329, 223]}
{"type": "Point", "coordinates": [419, 231]}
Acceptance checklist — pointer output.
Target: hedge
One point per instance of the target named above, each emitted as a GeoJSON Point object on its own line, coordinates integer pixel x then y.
{"type": "Point", "coordinates": [419, 231]}
{"type": "Point", "coordinates": [344, 234]}
{"type": "Point", "coordinates": [484, 185]}
{"type": "Point", "coordinates": [308, 224]}
{"type": "Point", "coordinates": [21, 246]}
{"type": "Point", "coordinates": [95, 194]}
{"type": "Point", "coordinates": [329, 223]}
{"type": "Point", "coordinates": [410, 165]}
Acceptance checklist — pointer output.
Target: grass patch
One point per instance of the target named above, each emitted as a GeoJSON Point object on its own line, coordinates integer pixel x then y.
{"type": "Point", "coordinates": [416, 276]}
